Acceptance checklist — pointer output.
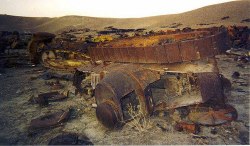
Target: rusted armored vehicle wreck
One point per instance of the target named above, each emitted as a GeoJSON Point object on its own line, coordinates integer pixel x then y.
{"type": "Point", "coordinates": [157, 73]}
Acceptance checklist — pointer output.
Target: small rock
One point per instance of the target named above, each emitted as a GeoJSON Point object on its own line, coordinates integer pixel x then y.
{"type": "Point", "coordinates": [236, 75]}
{"type": "Point", "coordinates": [70, 139]}
{"type": "Point", "coordinates": [18, 91]}
{"type": "Point", "coordinates": [213, 130]}
{"type": "Point", "coordinates": [94, 105]}
{"type": "Point", "coordinates": [224, 18]}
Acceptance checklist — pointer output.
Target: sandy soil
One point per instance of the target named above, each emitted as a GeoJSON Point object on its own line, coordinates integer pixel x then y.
{"type": "Point", "coordinates": [18, 85]}
{"type": "Point", "coordinates": [204, 17]}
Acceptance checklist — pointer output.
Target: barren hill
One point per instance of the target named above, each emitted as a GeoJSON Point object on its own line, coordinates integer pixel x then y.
{"type": "Point", "coordinates": [233, 13]}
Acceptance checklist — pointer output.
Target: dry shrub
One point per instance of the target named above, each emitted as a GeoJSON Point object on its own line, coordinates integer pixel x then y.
{"type": "Point", "coordinates": [139, 121]}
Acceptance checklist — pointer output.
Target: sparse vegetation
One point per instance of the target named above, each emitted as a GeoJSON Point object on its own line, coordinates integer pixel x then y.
{"type": "Point", "coordinates": [139, 121]}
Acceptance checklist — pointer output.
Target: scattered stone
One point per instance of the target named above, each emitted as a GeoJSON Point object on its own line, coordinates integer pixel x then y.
{"type": "Point", "coordinates": [199, 136]}
{"type": "Point", "coordinates": [70, 139]}
{"type": "Point", "coordinates": [213, 130]}
{"type": "Point", "coordinates": [161, 127]}
{"type": "Point", "coordinates": [236, 75]}
{"type": "Point", "coordinates": [94, 105]}
{"type": "Point", "coordinates": [242, 66]}
{"type": "Point", "coordinates": [245, 20]}
{"type": "Point", "coordinates": [18, 91]}
{"type": "Point", "coordinates": [54, 85]}
{"type": "Point", "coordinates": [224, 18]}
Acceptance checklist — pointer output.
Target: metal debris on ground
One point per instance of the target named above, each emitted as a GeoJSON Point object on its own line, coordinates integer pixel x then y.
{"type": "Point", "coordinates": [239, 36]}
{"type": "Point", "coordinates": [44, 98]}
{"type": "Point", "coordinates": [212, 115]}
{"type": "Point", "coordinates": [54, 85]}
{"type": "Point", "coordinates": [70, 139]}
{"type": "Point", "coordinates": [189, 127]}
{"type": "Point", "coordinates": [236, 75]}
{"type": "Point", "coordinates": [58, 76]}
{"type": "Point", "coordinates": [50, 120]}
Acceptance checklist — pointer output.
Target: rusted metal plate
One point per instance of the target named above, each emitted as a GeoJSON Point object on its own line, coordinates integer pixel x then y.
{"type": "Point", "coordinates": [187, 47]}
{"type": "Point", "coordinates": [99, 54]}
{"type": "Point", "coordinates": [117, 54]}
{"type": "Point", "coordinates": [91, 53]}
{"type": "Point", "coordinates": [124, 53]}
{"type": "Point", "coordinates": [141, 55]}
{"type": "Point", "coordinates": [49, 120]}
{"type": "Point", "coordinates": [133, 56]}
{"type": "Point", "coordinates": [188, 51]}
{"type": "Point", "coordinates": [210, 86]}
{"type": "Point", "coordinates": [103, 55]}
{"type": "Point", "coordinates": [150, 55]}
{"type": "Point", "coordinates": [173, 52]}
{"type": "Point", "coordinates": [204, 47]}
{"type": "Point", "coordinates": [189, 127]}
{"type": "Point", "coordinates": [183, 89]}
{"type": "Point", "coordinates": [111, 53]}
{"type": "Point", "coordinates": [121, 56]}
{"type": "Point", "coordinates": [212, 115]}
{"type": "Point", "coordinates": [162, 54]}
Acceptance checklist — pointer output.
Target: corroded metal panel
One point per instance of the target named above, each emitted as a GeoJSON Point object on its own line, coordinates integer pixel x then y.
{"type": "Point", "coordinates": [110, 54]}
{"type": "Point", "coordinates": [161, 54]}
{"type": "Point", "coordinates": [141, 55]}
{"type": "Point", "coordinates": [187, 47]}
{"type": "Point", "coordinates": [150, 55]}
{"type": "Point", "coordinates": [117, 55]}
{"type": "Point", "coordinates": [173, 52]}
{"type": "Point", "coordinates": [132, 55]}
{"type": "Point", "coordinates": [204, 47]}
{"type": "Point", "coordinates": [125, 55]}
{"type": "Point", "coordinates": [188, 51]}
{"type": "Point", "coordinates": [210, 86]}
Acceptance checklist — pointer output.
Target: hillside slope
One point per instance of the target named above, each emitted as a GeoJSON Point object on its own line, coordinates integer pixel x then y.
{"type": "Point", "coordinates": [206, 16]}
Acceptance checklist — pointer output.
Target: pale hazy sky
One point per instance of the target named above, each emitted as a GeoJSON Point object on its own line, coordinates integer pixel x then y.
{"type": "Point", "coordinates": [100, 8]}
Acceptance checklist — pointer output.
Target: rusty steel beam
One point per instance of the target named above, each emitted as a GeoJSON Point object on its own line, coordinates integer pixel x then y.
{"type": "Point", "coordinates": [185, 47]}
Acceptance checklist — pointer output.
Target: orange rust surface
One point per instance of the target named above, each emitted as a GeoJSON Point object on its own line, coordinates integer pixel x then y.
{"type": "Point", "coordinates": [170, 48]}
